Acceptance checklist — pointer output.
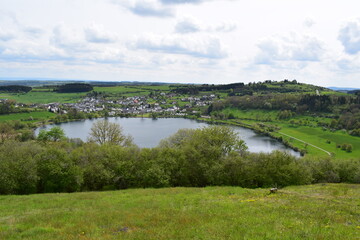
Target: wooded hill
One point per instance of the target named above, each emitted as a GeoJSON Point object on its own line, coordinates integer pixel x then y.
{"type": "Point", "coordinates": [74, 88]}
{"type": "Point", "coordinates": [15, 89]}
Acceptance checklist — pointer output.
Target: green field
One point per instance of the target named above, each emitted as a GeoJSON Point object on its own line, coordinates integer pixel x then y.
{"type": "Point", "coordinates": [31, 117]}
{"type": "Point", "coordinates": [313, 135]}
{"type": "Point", "coordinates": [323, 211]}
{"type": "Point", "coordinates": [133, 90]}
{"type": "Point", "coordinates": [43, 97]}
{"type": "Point", "coordinates": [319, 137]}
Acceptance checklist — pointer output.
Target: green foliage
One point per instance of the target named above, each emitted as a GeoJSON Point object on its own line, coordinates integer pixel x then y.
{"type": "Point", "coordinates": [7, 107]}
{"type": "Point", "coordinates": [57, 172]}
{"type": "Point", "coordinates": [105, 132]}
{"type": "Point", "coordinates": [191, 157]}
{"type": "Point", "coordinates": [285, 114]}
{"type": "Point", "coordinates": [18, 168]}
{"type": "Point", "coordinates": [54, 134]}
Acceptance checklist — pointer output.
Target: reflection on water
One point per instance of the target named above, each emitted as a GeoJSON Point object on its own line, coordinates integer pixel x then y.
{"type": "Point", "coordinates": [148, 132]}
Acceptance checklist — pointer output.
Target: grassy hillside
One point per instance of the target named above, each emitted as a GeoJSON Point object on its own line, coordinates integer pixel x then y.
{"type": "Point", "coordinates": [323, 211]}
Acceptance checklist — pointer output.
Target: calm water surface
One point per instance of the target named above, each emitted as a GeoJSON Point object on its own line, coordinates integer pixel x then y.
{"type": "Point", "coordinates": [148, 132]}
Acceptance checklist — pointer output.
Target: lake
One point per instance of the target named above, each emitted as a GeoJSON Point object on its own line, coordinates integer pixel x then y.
{"type": "Point", "coordinates": [147, 132]}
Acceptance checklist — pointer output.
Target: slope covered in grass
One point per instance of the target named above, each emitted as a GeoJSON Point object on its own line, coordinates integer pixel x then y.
{"type": "Point", "coordinates": [323, 211]}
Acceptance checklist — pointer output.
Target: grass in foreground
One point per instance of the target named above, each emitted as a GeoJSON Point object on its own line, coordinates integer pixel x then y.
{"type": "Point", "coordinates": [324, 211]}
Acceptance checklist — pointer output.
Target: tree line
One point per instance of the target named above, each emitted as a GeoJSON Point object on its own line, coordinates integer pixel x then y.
{"type": "Point", "coordinates": [74, 88]}
{"type": "Point", "coordinates": [15, 89]}
{"type": "Point", "coordinates": [345, 110]}
{"type": "Point", "coordinates": [190, 158]}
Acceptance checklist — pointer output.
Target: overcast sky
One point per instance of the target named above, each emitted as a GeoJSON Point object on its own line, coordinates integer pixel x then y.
{"type": "Point", "coordinates": [188, 41]}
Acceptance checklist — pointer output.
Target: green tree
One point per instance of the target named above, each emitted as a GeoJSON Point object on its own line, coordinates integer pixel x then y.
{"type": "Point", "coordinates": [55, 134]}
{"type": "Point", "coordinates": [57, 172]}
{"type": "Point", "coordinates": [104, 132]}
{"type": "Point", "coordinates": [18, 167]}
{"type": "Point", "coordinates": [203, 149]}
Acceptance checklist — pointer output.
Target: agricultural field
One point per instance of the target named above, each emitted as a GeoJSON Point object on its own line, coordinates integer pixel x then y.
{"type": "Point", "coordinates": [322, 211]}
{"type": "Point", "coordinates": [43, 97]}
{"type": "Point", "coordinates": [27, 117]}
{"type": "Point", "coordinates": [311, 134]}
{"type": "Point", "coordinates": [130, 91]}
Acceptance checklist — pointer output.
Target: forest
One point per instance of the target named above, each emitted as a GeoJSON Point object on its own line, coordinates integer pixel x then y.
{"type": "Point", "coordinates": [15, 89]}
{"type": "Point", "coordinates": [74, 88]}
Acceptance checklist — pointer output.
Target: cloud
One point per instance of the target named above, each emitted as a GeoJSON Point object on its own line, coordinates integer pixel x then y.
{"type": "Point", "coordinates": [187, 25]}
{"type": "Point", "coordinates": [97, 34]}
{"type": "Point", "coordinates": [349, 36]}
{"type": "Point", "coordinates": [348, 64]}
{"type": "Point", "coordinates": [30, 51]}
{"type": "Point", "coordinates": [146, 8]}
{"type": "Point", "coordinates": [182, 1]}
{"type": "Point", "coordinates": [290, 48]}
{"type": "Point", "coordinates": [155, 8]}
{"type": "Point", "coordinates": [6, 35]}
{"type": "Point", "coordinates": [68, 39]}
{"type": "Point", "coordinates": [34, 32]}
{"type": "Point", "coordinates": [191, 25]}
{"type": "Point", "coordinates": [199, 47]}
{"type": "Point", "coordinates": [309, 22]}
{"type": "Point", "coordinates": [225, 27]}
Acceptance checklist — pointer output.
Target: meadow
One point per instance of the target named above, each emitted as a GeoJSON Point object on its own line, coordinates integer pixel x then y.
{"type": "Point", "coordinates": [27, 117]}
{"type": "Point", "coordinates": [307, 131]}
{"type": "Point", "coordinates": [48, 96]}
{"type": "Point", "coordinates": [322, 211]}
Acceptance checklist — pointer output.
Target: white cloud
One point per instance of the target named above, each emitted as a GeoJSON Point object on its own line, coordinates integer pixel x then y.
{"type": "Point", "coordinates": [155, 8]}
{"type": "Point", "coordinates": [349, 36]}
{"type": "Point", "coordinates": [69, 39]}
{"type": "Point", "coordinates": [146, 8]}
{"type": "Point", "coordinates": [187, 25]}
{"type": "Point", "coordinates": [30, 51]}
{"type": "Point", "coordinates": [348, 64]}
{"type": "Point", "coordinates": [294, 47]}
{"type": "Point", "coordinates": [6, 35]}
{"type": "Point", "coordinates": [97, 34]}
{"type": "Point", "coordinates": [191, 25]}
{"type": "Point", "coordinates": [183, 1]}
{"type": "Point", "coordinates": [309, 22]}
{"type": "Point", "coordinates": [194, 46]}
{"type": "Point", "coordinates": [225, 27]}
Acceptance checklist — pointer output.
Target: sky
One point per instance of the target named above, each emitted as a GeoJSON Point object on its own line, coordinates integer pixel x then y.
{"type": "Point", "coordinates": [182, 41]}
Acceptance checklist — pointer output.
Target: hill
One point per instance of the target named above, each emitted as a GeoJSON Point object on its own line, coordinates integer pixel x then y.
{"type": "Point", "coordinates": [323, 211]}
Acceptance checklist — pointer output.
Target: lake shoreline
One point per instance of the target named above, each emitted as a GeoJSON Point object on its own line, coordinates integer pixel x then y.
{"type": "Point", "coordinates": [143, 138]}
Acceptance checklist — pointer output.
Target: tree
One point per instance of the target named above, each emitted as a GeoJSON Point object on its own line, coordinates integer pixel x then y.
{"type": "Point", "coordinates": [55, 134]}
{"type": "Point", "coordinates": [104, 132]}
{"type": "Point", "coordinates": [203, 151]}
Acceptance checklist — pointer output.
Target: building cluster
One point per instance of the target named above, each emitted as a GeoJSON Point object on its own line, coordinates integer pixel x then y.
{"type": "Point", "coordinates": [164, 103]}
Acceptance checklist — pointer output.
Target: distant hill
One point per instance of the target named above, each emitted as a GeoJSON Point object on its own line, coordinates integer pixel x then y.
{"type": "Point", "coordinates": [343, 89]}
{"type": "Point", "coordinates": [39, 83]}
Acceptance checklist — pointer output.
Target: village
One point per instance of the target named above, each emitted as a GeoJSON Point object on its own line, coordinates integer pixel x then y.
{"type": "Point", "coordinates": [163, 103]}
